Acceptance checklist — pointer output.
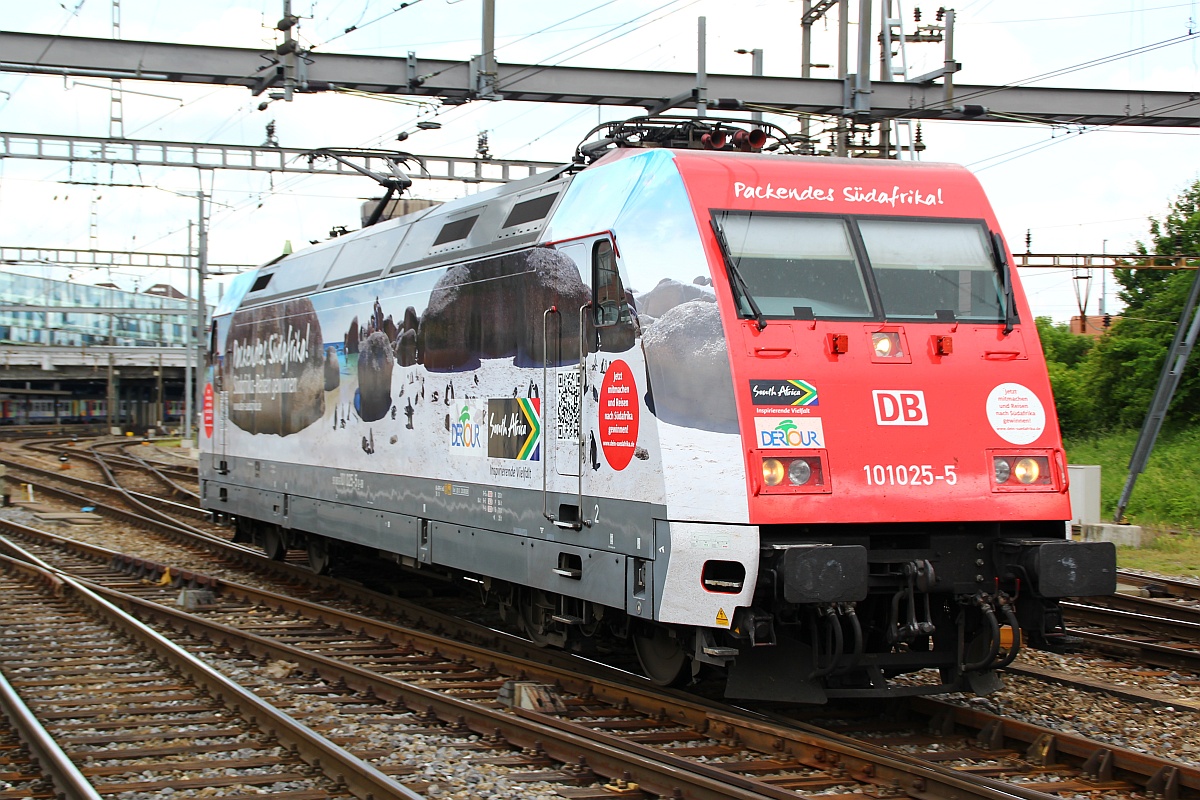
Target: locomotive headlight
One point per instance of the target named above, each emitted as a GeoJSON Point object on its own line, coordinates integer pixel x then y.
{"type": "Point", "coordinates": [886, 344]}
{"type": "Point", "coordinates": [773, 471]}
{"type": "Point", "coordinates": [1020, 472]}
{"type": "Point", "coordinates": [1027, 470]}
{"type": "Point", "coordinates": [795, 473]}
{"type": "Point", "coordinates": [799, 472]}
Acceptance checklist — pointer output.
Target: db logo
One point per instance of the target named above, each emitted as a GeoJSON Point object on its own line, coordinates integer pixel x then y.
{"type": "Point", "coordinates": [900, 408]}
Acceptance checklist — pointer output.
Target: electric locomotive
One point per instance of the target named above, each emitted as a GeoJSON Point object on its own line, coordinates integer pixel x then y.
{"type": "Point", "coordinates": [787, 416]}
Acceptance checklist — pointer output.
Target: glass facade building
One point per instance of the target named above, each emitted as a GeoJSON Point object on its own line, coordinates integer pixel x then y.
{"type": "Point", "coordinates": [74, 315]}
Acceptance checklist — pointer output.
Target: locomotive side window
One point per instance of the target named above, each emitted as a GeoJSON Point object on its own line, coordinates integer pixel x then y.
{"type": "Point", "coordinates": [530, 210]}
{"type": "Point", "coordinates": [609, 298]}
{"type": "Point", "coordinates": [924, 267]}
{"type": "Point", "coordinates": [453, 231]}
{"type": "Point", "coordinates": [797, 267]}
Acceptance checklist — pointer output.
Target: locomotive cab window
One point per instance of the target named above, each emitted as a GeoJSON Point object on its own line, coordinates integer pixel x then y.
{"type": "Point", "coordinates": [795, 267]}
{"type": "Point", "coordinates": [927, 269]}
{"type": "Point", "coordinates": [813, 267]}
{"type": "Point", "coordinates": [609, 294]}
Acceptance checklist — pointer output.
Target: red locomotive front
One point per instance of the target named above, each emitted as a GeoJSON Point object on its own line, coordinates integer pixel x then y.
{"type": "Point", "coordinates": [903, 459]}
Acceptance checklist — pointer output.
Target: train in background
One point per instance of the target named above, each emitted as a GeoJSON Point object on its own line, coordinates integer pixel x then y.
{"type": "Point", "coordinates": [784, 416]}
{"type": "Point", "coordinates": [58, 410]}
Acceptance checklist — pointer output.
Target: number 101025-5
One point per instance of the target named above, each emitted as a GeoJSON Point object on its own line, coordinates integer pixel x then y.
{"type": "Point", "coordinates": [908, 474]}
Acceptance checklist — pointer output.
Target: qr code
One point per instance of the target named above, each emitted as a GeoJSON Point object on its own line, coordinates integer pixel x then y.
{"type": "Point", "coordinates": [567, 405]}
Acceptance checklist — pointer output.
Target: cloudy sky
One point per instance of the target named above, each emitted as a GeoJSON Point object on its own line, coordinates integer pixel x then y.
{"type": "Point", "coordinates": [1073, 190]}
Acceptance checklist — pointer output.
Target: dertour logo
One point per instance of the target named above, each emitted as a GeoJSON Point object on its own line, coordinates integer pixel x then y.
{"type": "Point", "coordinates": [792, 433]}
{"type": "Point", "coordinates": [468, 433]}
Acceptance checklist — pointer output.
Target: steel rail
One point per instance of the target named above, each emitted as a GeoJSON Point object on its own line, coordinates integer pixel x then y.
{"type": "Point", "coordinates": [131, 496]}
{"type": "Point", "coordinates": [1120, 759]}
{"type": "Point", "coordinates": [1162, 608]}
{"type": "Point", "coordinates": [604, 758]}
{"type": "Point", "coordinates": [653, 770]}
{"type": "Point", "coordinates": [809, 744]}
{"type": "Point", "coordinates": [158, 473]}
{"type": "Point", "coordinates": [1177, 586]}
{"type": "Point", "coordinates": [136, 498]}
{"type": "Point", "coordinates": [361, 779]}
{"type": "Point", "coordinates": [703, 717]}
{"type": "Point", "coordinates": [1184, 655]}
{"type": "Point", "coordinates": [68, 781]}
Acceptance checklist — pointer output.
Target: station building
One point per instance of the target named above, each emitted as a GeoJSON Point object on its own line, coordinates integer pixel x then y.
{"type": "Point", "coordinates": [75, 353]}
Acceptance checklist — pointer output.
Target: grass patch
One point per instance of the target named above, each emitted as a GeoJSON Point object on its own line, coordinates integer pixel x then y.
{"type": "Point", "coordinates": [1166, 492]}
{"type": "Point", "coordinates": [1165, 497]}
{"type": "Point", "coordinates": [1169, 554]}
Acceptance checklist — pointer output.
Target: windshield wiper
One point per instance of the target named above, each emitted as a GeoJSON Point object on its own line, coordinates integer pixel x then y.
{"type": "Point", "coordinates": [735, 276]}
{"type": "Point", "coordinates": [1010, 314]}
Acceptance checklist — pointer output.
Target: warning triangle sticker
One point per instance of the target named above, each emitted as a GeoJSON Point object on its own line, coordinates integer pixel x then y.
{"type": "Point", "coordinates": [722, 620]}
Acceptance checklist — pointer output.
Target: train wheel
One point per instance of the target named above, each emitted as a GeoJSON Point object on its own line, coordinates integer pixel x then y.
{"type": "Point", "coordinates": [661, 655]}
{"type": "Point", "coordinates": [272, 542]}
{"type": "Point", "coordinates": [320, 557]}
{"type": "Point", "coordinates": [536, 608]}
{"type": "Point", "coordinates": [243, 531]}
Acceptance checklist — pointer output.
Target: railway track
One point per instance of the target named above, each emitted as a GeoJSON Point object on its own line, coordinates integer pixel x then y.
{"type": "Point", "coordinates": [1155, 620]}
{"type": "Point", "coordinates": [359, 668]}
{"type": "Point", "coordinates": [152, 479]}
{"type": "Point", "coordinates": [375, 659]}
{"type": "Point", "coordinates": [1005, 748]}
{"type": "Point", "coordinates": [31, 762]}
{"type": "Point", "coordinates": [144, 505]}
{"type": "Point", "coordinates": [134, 713]}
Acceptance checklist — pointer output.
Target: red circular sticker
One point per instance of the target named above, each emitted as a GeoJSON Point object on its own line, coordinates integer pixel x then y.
{"type": "Point", "coordinates": [208, 410]}
{"type": "Point", "coordinates": [618, 415]}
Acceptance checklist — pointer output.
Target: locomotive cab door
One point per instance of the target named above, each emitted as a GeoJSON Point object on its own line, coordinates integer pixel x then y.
{"type": "Point", "coordinates": [214, 414]}
{"type": "Point", "coordinates": [569, 390]}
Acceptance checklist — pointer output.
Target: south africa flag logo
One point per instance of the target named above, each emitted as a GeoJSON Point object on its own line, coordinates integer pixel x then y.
{"type": "Point", "coordinates": [514, 428]}
{"type": "Point", "coordinates": [529, 448]}
{"type": "Point", "coordinates": [806, 393]}
{"type": "Point", "coordinates": [793, 392]}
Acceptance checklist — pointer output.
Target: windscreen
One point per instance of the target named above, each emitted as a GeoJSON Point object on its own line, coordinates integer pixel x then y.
{"type": "Point", "coordinates": [807, 267]}
{"type": "Point", "coordinates": [929, 269]}
{"type": "Point", "coordinates": [797, 267]}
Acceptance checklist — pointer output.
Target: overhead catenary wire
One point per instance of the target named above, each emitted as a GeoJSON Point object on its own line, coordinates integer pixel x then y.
{"type": "Point", "coordinates": [1070, 16]}
{"type": "Point", "coordinates": [380, 18]}
{"type": "Point", "coordinates": [960, 99]}
{"type": "Point", "coordinates": [532, 70]}
{"type": "Point", "coordinates": [1035, 147]}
